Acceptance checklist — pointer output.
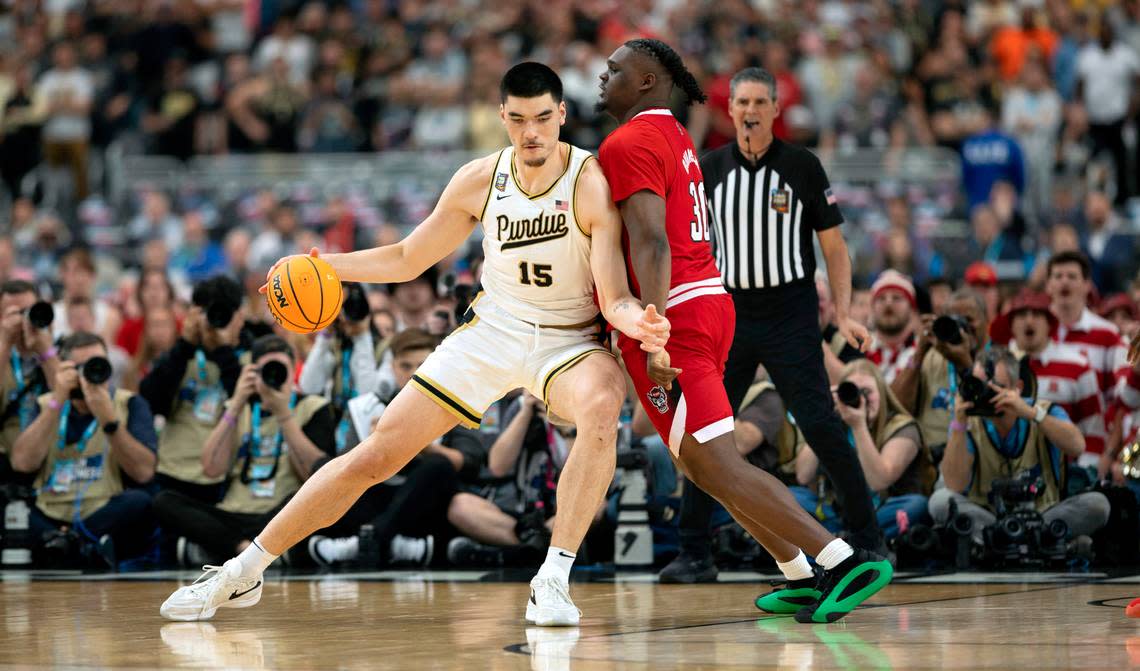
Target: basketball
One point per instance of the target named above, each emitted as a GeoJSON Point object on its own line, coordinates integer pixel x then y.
{"type": "Point", "coordinates": [304, 294]}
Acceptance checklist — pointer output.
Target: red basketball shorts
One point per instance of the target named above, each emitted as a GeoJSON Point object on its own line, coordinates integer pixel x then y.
{"type": "Point", "coordinates": [700, 336]}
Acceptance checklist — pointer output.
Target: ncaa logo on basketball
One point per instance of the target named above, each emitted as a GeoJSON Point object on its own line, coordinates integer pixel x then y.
{"type": "Point", "coordinates": [501, 181]}
{"type": "Point", "coordinates": [657, 397]}
{"type": "Point", "coordinates": [278, 292]}
{"type": "Point", "coordinates": [781, 200]}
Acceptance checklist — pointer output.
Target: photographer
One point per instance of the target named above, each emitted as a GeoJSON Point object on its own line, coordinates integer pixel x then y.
{"type": "Point", "coordinates": [999, 436]}
{"type": "Point", "coordinates": [267, 441]}
{"type": "Point", "coordinates": [189, 384]}
{"type": "Point", "coordinates": [27, 362]}
{"type": "Point", "coordinates": [89, 445]}
{"type": "Point", "coordinates": [343, 361]}
{"type": "Point", "coordinates": [890, 448]}
{"type": "Point", "coordinates": [946, 346]}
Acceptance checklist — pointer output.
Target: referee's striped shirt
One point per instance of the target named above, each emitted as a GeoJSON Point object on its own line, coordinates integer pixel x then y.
{"type": "Point", "coordinates": [764, 214]}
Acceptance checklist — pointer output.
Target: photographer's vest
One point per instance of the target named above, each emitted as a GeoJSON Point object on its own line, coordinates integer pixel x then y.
{"type": "Point", "coordinates": [917, 478]}
{"type": "Point", "coordinates": [786, 441]}
{"type": "Point", "coordinates": [80, 477]}
{"type": "Point", "coordinates": [991, 464]}
{"type": "Point", "coordinates": [196, 410]}
{"type": "Point", "coordinates": [262, 475]}
{"type": "Point", "coordinates": [342, 390]}
{"type": "Point", "coordinates": [18, 396]}
{"type": "Point", "coordinates": [936, 391]}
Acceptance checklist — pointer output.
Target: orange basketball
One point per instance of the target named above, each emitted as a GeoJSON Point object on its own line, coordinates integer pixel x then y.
{"type": "Point", "coordinates": [304, 294]}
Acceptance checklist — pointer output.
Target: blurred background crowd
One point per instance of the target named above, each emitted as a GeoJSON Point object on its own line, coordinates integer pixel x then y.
{"type": "Point", "coordinates": [148, 147]}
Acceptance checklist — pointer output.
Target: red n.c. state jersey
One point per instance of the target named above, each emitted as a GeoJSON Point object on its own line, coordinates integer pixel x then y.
{"type": "Point", "coordinates": [654, 152]}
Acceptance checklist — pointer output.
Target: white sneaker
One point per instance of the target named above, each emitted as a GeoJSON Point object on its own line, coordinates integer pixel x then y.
{"type": "Point", "coordinates": [404, 550]}
{"type": "Point", "coordinates": [328, 551]}
{"type": "Point", "coordinates": [219, 587]}
{"type": "Point", "coordinates": [550, 649]}
{"type": "Point", "coordinates": [550, 604]}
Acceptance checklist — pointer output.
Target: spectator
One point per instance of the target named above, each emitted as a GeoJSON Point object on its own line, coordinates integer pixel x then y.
{"type": "Point", "coordinates": [159, 335]}
{"type": "Point", "coordinates": [1031, 113]}
{"type": "Point", "coordinates": [1068, 286]}
{"type": "Point", "coordinates": [829, 77]}
{"type": "Point", "coordinates": [1107, 71]}
{"type": "Point", "coordinates": [188, 386]}
{"type": "Point", "coordinates": [435, 83]}
{"type": "Point", "coordinates": [268, 441]}
{"type": "Point", "coordinates": [172, 115]}
{"type": "Point", "coordinates": [1021, 437]}
{"type": "Point", "coordinates": [870, 119]}
{"type": "Point", "coordinates": [891, 452]}
{"type": "Point", "coordinates": [989, 156]}
{"type": "Point", "coordinates": [1121, 310]}
{"type": "Point", "coordinates": [412, 301]}
{"type": "Point", "coordinates": [277, 241]}
{"type": "Point", "coordinates": [66, 93]}
{"type": "Point", "coordinates": [893, 306]}
{"type": "Point", "coordinates": [1064, 375]}
{"type": "Point", "coordinates": [327, 124]}
{"type": "Point", "coordinates": [28, 366]}
{"type": "Point", "coordinates": [926, 387]}
{"type": "Point", "coordinates": [1013, 45]}
{"type": "Point", "coordinates": [20, 131]}
{"type": "Point", "coordinates": [88, 478]}
{"type": "Point", "coordinates": [1110, 247]}
{"type": "Point", "coordinates": [287, 46]}
{"type": "Point", "coordinates": [263, 111]}
{"type": "Point", "coordinates": [154, 292]}
{"type": "Point", "coordinates": [198, 257]}
{"type": "Point", "coordinates": [155, 222]}
{"type": "Point", "coordinates": [77, 273]}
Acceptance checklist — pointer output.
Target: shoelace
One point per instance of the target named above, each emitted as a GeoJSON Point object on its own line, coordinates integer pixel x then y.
{"type": "Point", "coordinates": [559, 591]}
{"type": "Point", "coordinates": [203, 581]}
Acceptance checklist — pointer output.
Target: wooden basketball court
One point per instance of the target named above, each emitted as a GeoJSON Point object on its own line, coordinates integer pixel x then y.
{"type": "Point", "coordinates": [474, 621]}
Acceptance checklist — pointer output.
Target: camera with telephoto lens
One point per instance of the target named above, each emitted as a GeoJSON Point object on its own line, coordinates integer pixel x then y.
{"type": "Point", "coordinates": [950, 329]}
{"type": "Point", "coordinates": [41, 314]}
{"type": "Point", "coordinates": [274, 374]}
{"type": "Point", "coordinates": [849, 394]}
{"type": "Point", "coordinates": [1020, 536]}
{"type": "Point", "coordinates": [95, 370]}
{"type": "Point", "coordinates": [220, 314]}
{"type": "Point", "coordinates": [355, 307]}
{"type": "Point", "coordinates": [980, 394]}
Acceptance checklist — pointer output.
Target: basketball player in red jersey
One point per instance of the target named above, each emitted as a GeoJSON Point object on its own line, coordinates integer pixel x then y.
{"type": "Point", "coordinates": [656, 181]}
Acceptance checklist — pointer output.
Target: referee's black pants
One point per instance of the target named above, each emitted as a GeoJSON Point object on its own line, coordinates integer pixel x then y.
{"type": "Point", "coordinates": [780, 328]}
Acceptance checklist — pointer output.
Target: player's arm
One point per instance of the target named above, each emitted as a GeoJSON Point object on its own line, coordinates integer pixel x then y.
{"type": "Point", "coordinates": [449, 224]}
{"type": "Point", "coordinates": [644, 216]}
{"type": "Point", "coordinates": [607, 263]}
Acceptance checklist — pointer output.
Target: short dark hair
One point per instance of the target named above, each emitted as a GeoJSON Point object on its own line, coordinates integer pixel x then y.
{"type": "Point", "coordinates": [268, 344]}
{"type": "Point", "coordinates": [412, 339]}
{"type": "Point", "coordinates": [968, 294]}
{"type": "Point", "coordinates": [217, 289]}
{"type": "Point", "coordinates": [79, 339]}
{"type": "Point", "coordinates": [16, 287]}
{"type": "Point", "coordinates": [80, 255]}
{"type": "Point", "coordinates": [757, 75]}
{"type": "Point", "coordinates": [530, 80]}
{"type": "Point", "coordinates": [1062, 258]}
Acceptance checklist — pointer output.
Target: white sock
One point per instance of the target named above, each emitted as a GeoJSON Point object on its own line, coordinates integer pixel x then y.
{"type": "Point", "coordinates": [254, 560]}
{"type": "Point", "coordinates": [834, 553]}
{"type": "Point", "coordinates": [797, 568]}
{"type": "Point", "coordinates": [557, 564]}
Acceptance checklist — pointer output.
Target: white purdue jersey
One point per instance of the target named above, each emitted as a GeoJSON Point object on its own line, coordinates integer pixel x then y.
{"type": "Point", "coordinates": [536, 258]}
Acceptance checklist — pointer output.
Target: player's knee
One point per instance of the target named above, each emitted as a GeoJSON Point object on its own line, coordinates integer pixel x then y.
{"type": "Point", "coordinates": [598, 412]}
{"type": "Point", "coordinates": [368, 463]}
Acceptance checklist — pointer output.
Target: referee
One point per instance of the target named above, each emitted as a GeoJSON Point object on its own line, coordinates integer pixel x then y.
{"type": "Point", "coordinates": [767, 198]}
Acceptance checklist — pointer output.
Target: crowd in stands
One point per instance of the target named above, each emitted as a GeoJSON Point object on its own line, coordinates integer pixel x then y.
{"type": "Point", "coordinates": [1035, 100]}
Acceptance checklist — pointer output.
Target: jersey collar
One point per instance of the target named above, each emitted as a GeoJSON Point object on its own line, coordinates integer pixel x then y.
{"type": "Point", "coordinates": [656, 111]}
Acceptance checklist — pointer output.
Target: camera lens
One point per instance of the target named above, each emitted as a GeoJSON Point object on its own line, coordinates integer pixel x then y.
{"type": "Point", "coordinates": [274, 373]}
{"type": "Point", "coordinates": [219, 315]}
{"type": "Point", "coordinates": [41, 315]}
{"type": "Point", "coordinates": [355, 306]}
{"type": "Point", "coordinates": [973, 389]}
{"type": "Point", "coordinates": [946, 329]}
{"type": "Point", "coordinates": [97, 370]}
{"type": "Point", "coordinates": [848, 393]}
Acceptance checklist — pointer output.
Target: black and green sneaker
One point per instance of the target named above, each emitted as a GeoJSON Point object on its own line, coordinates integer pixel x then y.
{"type": "Point", "coordinates": [846, 586]}
{"type": "Point", "coordinates": [790, 598]}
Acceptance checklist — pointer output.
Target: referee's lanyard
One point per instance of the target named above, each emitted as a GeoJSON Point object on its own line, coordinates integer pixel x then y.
{"type": "Point", "coordinates": [346, 393]}
{"type": "Point", "coordinates": [255, 444]}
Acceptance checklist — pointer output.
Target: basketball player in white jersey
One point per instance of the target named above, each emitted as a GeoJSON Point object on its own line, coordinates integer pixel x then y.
{"type": "Point", "coordinates": [551, 237]}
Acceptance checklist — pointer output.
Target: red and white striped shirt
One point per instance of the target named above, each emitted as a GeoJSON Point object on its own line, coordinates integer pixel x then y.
{"type": "Point", "coordinates": [889, 359]}
{"type": "Point", "coordinates": [1100, 341]}
{"type": "Point", "coordinates": [1065, 377]}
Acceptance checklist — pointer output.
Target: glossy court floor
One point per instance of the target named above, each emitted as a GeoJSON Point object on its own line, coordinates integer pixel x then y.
{"type": "Point", "coordinates": [474, 621]}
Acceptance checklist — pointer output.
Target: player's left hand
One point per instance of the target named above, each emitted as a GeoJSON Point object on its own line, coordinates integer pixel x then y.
{"type": "Point", "coordinates": [659, 370]}
{"type": "Point", "coordinates": [855, 334]}
{"type": "Point", "coordinates": [652, 329]}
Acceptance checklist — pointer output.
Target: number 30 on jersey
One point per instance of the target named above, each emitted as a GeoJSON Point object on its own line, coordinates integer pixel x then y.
{"type": "Point", "coordinates": [699, 227]}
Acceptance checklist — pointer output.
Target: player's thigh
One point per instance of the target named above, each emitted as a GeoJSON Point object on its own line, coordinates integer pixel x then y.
{"type": "Point", "coordinates": [591, 391]}
{"type": "Point", "coordinates": [409, 424]}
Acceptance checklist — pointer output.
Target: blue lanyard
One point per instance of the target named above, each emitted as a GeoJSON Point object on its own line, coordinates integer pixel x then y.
{"type": "Point", "coordinates": [87, 433]}
{"type": "Point", "coordinates": [18, 371]}
{"type": "Point", "coordinates": [953, 372]}
{"type": "Point", "coordinates": [255, 441]}
{"type": "Point", "coordinates": [200, 357]}
{"type": "Point", "coordinates": [346, 390]}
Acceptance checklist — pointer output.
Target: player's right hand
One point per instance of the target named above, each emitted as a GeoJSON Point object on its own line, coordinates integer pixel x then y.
{"type": "Point", "coordinates": [652, 329]}
{"type": "Point", "coordinates": [314, 252]}
{"type": "Point", "coordinates": [659, 370]}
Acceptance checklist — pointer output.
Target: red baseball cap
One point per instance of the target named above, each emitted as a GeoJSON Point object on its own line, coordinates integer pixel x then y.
{"type": "Point", "coordinates": [980, 272]}
{"type": "Point", "coordinates": [1118, 302]}
{"type": "Point", "coordinates": [1001, 328]}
